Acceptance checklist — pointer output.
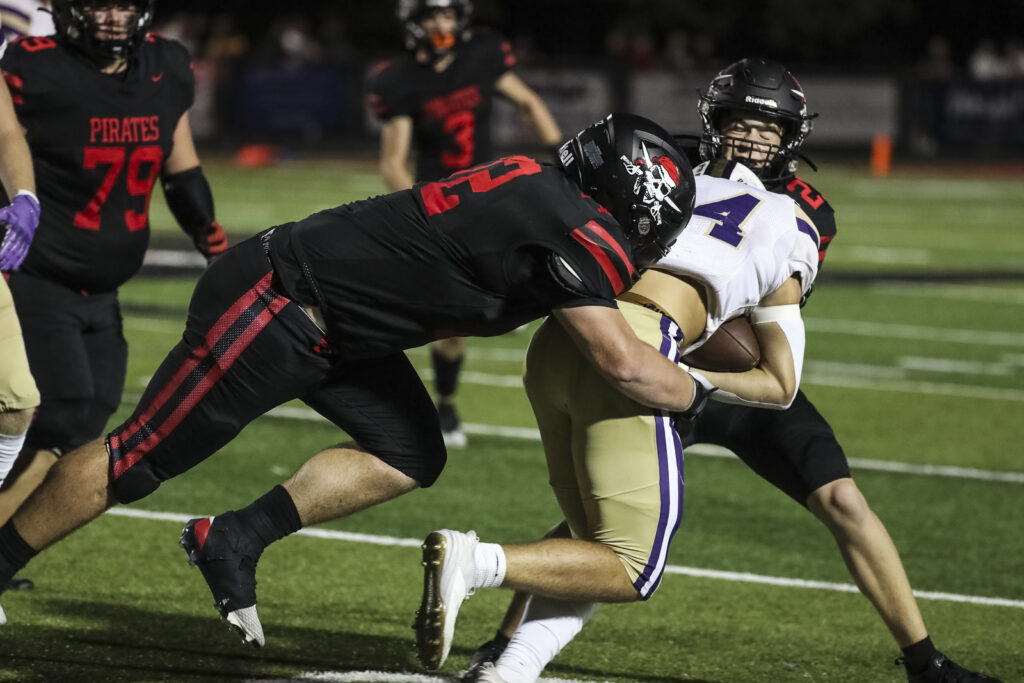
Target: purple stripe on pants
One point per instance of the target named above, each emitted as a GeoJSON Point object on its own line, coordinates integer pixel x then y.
{"type": "Point", "coordinates": [670, 474]}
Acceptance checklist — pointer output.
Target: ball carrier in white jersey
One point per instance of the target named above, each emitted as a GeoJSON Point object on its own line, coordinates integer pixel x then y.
{"type": "Point", "coordinates": [616, 466]}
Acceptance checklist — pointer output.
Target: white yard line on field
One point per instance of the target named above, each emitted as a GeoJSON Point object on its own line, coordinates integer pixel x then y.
{"type": "Point", "coordinates": [742, 577]}
{"type": "Point", "coordinates": [531, 434]}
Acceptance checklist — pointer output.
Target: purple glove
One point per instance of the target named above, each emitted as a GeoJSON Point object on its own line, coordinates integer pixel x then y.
{"type": "Point", "coordinates": [20, 218]}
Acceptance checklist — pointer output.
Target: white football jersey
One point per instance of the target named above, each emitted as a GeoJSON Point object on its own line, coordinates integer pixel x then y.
{"type": "Point", "coordinates": [26, 17]}
{"type": "Point", "coordinates": [742, 243]}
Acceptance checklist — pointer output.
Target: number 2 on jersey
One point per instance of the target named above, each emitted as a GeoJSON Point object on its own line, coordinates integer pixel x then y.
{"type": "Point", "coordinates": [89, 218]}
{"type": "Point", "coordinates": [729, 216]}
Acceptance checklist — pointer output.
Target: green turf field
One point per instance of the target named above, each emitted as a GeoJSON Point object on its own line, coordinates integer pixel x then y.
{"type": "Point", "coordinates": [923, 382]}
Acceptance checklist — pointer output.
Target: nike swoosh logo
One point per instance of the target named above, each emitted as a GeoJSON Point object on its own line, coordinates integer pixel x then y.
{"type": "Point", "coordinates": [156, 79]}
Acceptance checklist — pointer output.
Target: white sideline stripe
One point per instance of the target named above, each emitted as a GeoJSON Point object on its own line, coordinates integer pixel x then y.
{"type": "Point", "coordinates": [743, 577]}
{"type": "Point", "coordinates": [531, 434]}
{"type": "Point", "coordinates": [746, 577]}
{"type": "Point", "coordinates": [173, 258]}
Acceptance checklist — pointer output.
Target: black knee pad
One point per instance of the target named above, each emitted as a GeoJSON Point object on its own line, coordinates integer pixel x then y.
{"type": "Point", "coordinates": [135, 482]}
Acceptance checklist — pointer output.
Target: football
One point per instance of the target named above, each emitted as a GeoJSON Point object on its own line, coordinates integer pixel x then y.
{"type": "Point", "coordinates": [732, 348]}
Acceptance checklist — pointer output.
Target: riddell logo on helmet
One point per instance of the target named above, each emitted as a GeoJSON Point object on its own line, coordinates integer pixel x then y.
{"type": "Point", "coordinates": [764, 101]}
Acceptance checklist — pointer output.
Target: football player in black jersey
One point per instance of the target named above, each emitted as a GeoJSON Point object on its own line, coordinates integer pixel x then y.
{"type": "Point", "coordinates": [323, 309]}
{"type": "Point", "coordinates": [105, 107]}
{"type": "Point", "coordinates": [755, 112]}
{"type": "Point", "coordinates": [436, 99]}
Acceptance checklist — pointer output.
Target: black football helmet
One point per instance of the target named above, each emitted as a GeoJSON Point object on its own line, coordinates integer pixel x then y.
{"type": "Point", "coordinates": [75, 23]}
{"type": "Point", "coordinates": [635, 169]}
{"type": "Point", "coordinates": [766, 89]}
{"type": "Point", "coordinates": [411, 13]}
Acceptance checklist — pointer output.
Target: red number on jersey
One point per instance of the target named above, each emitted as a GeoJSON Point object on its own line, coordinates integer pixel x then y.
{"type": "Point", "coordinates": [90, 218]}
{"type": "Point", "coordinates": [805, 193]}
{"type": "Point", "coordinates": [142, 187]}
{"type": "Point", "coordinates": [460, 124]}
{"type": "Point", "coordinates": [36, 43]}
{"type": "Point", "coordinates": [479, 178]}
{"type": "Point", "coordinates": [138, 187]}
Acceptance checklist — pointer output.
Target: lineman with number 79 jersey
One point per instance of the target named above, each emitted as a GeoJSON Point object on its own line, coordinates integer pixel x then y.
{"type": "Point", "coordinates": [105, 108]}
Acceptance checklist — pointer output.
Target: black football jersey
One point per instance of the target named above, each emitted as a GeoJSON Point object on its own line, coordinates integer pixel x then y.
{"type": "Point", "coordinates": [98, 142]}
{"type": "Point", "coordinates": [451, 109]}
{"type": "Point", "coordinates": [476, 254]}
{"type": "Point", "coordinates": [811, 201]}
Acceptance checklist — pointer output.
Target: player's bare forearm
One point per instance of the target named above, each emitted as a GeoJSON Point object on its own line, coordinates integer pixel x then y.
{"type": "Point", "coordinates": [396, 176]}
{"type": "Point", "coordinates": [395, 144]}
{"type": "Point", "coordinates": [531, 106]}
{"type": "Point", "coordinates": [632, 367]}
{"type": "Point", "coordinates": [773, 382]}
{"type": "Point", "coordinates": [15, 163]}
{"type": "Point", "coordinates": [15, 158]}
{"type": "Point", "coordinates": [543, 122]}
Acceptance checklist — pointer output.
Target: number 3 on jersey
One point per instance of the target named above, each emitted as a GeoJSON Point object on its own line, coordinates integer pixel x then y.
{"type": "Point", "coordinates": [729, 216]}
{"type": "Point", "coordinates": [89, 218]}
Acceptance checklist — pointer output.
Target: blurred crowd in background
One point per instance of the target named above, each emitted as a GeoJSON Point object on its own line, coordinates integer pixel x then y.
{"type": "Point", "coordinates": [936, 78]}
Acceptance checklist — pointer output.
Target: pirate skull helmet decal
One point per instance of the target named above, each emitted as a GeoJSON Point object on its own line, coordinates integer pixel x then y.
{"type": "Point", "coordinates": [656, 177]}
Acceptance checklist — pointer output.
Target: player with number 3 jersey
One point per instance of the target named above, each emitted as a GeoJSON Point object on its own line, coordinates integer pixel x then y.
{"type": "Point", "coordinates": [435, 101]}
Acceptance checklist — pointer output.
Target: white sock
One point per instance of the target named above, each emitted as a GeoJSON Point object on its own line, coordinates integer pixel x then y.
{"type": "Point", "coordinates": [546, 629]}
{"type": "Point", "coordinates": [10, 446]}
{"type": "Point", "coordinates": [490, 565]}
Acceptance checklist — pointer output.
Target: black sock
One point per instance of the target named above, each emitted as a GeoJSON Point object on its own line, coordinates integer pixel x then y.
{"type": "Point", "coordinates": [271, 517]}
{"type": "Point", "coordinates": [14, 553]}
{"type": "Point", "coordinates": [446, 373]}
{"type": "Point", "coordinates": [916, 656]}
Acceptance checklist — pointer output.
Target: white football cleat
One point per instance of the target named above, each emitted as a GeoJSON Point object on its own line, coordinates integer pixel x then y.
{"type": "Point", "coordinates": [3, 617]}
{"type": "Point", "coordinates": [246, 623]}
{"type": "Point", "coordinates": [449, 565]}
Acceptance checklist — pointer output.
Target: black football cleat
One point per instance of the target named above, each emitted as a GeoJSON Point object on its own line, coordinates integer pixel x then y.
{"type": "Point", "coordinates": [487, 653]}
{"type": "Point", "coordinates": [941, 669]}
{"type": "Point", "coordinates": [18, 584]}
{"type": "Point", "coordinates": [227, 559]}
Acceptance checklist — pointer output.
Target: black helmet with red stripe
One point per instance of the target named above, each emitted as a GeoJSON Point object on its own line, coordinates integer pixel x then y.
{"type": "Point", "coordinates": [635, 169]}
{"type": "Point", "coordinates": [411, 14]}
{"type": "Point", "coordinates": [89, 26]}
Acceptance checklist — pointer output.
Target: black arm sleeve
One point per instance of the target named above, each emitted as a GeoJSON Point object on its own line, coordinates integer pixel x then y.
{"type": "Point", "coordinates": [191, 202]}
